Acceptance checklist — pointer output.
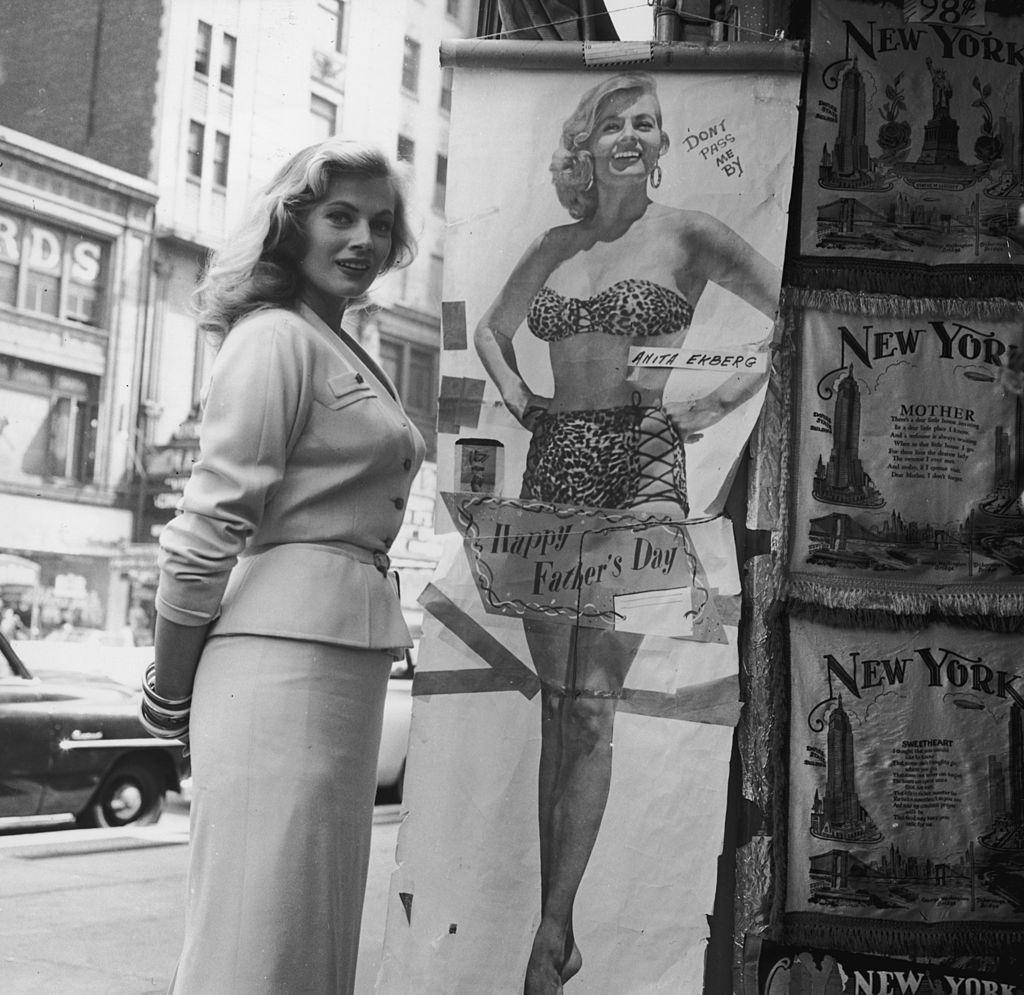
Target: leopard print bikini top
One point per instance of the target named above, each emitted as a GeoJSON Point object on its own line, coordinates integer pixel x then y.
{"type": "Point", "coordinates": [634, 308]}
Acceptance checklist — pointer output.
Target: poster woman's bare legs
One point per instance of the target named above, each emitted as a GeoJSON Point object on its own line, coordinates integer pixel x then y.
{"type": "Point", "coordinates": [582, 671]}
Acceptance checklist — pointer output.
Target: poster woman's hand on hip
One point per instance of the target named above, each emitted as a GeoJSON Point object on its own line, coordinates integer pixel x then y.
{"type": "Point", "coordinates": [526, 407]}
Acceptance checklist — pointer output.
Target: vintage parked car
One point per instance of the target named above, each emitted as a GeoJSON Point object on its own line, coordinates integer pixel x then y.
{"type": "Point", "coordinates": [71, 746]}
{"type": "Point", "coordinates": [89, 665]}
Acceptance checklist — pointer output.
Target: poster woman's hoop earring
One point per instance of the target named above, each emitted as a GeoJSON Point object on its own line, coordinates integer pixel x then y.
{"type": "Point", "coordinates": [587, 160]}
{"type": "Point", "coordinates": [656, 176]}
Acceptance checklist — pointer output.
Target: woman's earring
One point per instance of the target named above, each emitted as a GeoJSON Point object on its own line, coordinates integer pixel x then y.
{"type": "Point", "coordinates": [586, 157]}
{"type": "Point", "coordinates": [656, 176]}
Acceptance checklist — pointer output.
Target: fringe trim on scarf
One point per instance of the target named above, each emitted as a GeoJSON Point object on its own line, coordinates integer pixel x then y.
{"type": "Point", "coordinates": [894, 306]}
{"type": "Point", "coordinates": [843, 618]}
{"type": "Point", "coordinates": [877, 276]}
{"type": "Point", "coordinates": [941, 940]}
{"type": "Point", "coordinates": [999, 609]}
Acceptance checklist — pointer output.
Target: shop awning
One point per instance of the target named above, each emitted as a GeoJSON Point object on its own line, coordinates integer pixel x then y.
{"type": "Point", "coordinates": [16, 571]}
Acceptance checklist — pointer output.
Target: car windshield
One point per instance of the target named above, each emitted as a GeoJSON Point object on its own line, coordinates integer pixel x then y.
{"type": "Point", "coordinates": [99, 637]}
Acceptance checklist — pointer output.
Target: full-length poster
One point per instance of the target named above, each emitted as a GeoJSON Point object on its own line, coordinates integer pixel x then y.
{"type": "Point", "coordinates": [914, 137]}
{"type": "Point", "coordinates": [612, 274]}
{"type": "Point", "coordinates": [906, 793]}
{"type": "Point", "coordinates": [908, 464]}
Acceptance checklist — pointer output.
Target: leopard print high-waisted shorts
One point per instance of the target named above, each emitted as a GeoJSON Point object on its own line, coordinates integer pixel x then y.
{"type": "Point", "coordinates": [607, 458]}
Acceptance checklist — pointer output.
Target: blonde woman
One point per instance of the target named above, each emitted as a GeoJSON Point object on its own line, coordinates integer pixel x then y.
{"type": "Point", "coordinates": [278, 620]}
{"type": "Point", "coordinates": [627, 270]}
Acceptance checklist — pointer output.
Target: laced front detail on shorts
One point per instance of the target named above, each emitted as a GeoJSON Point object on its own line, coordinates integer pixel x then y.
{"type": "Point", "coordinates": [661, 460]}
{"type": "Point", "coordinates": [619, 457]}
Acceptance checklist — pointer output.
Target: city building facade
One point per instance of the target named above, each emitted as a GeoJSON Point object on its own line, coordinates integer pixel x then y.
{"type": "Point", "coordinates": [75, 252]}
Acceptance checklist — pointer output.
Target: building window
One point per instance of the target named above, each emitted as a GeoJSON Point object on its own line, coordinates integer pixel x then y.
{"type": "Point", "coordinates": [411, 66]}
{"type": "Point", "coordinates": [196, 138]}
{"type": "Point", "coordinates": [406, 149]}
{"type": "Point", "coordinates": [51, 271]}
{"type": "Point", "coordinates": [413, 370]}
{"type": "Point", "coordinates": [325, 117]}
{"type": "Point", "coordinates": [42, 278]}
{"type": "Point", "coordinates": [10, 252]}
{"type": "Point", "coordinates": [453, 8]}
{"type": "Point", "coordinates": [221, 148]}
{"type": "Point", "coordinates": [446, 89]}
{"type": "Point", "coordinates": [435, 281]}
{"type": "Point", "coordinates": [228, 52]}
{"type": "Point", "coordinates": [47, 422]}
{"type": "Point", "coordinates": [331, 28]}
{"type": "Point", "coordinates": [204, 39]}
{"type": "Point", "coordinates": [440, 179]}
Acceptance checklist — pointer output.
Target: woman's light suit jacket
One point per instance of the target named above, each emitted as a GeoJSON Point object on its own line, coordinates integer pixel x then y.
{"type": "Point", "coordinates": [306, 460]}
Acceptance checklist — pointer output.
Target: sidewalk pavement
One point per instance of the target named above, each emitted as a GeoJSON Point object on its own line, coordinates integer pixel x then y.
{"type": "Point", "coordinates": [100, 911]}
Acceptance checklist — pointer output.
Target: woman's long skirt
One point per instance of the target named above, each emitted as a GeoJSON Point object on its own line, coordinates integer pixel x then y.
{"type": "Point", "coordinates": [284, 739]}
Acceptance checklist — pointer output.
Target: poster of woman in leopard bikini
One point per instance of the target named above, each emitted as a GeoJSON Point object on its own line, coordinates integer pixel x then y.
{"type": "Point", "coordinates": [610, 307]}
{"type": "Point", "coordinates": [626, 274]}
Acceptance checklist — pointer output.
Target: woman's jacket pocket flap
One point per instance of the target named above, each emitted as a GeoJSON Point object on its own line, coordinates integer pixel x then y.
{"type": "Point", "coordinates": [344, 389]}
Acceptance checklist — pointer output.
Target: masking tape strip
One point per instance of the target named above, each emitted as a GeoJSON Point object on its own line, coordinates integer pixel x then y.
{"type": "Point", "coordinates": [428, 682]}
{"type": "Point", "coordinates": [507, 673]}
{"type": "Point", "coordinates": [612, 53]}
{"type": "Point", "coordinates": [459, 403]}
{"type": "Point", "coordinates": [713, 703]}
{"type": "Point", "coordinates": [453, 324]}
{"type": "Point", "coordinates": [728, 606]}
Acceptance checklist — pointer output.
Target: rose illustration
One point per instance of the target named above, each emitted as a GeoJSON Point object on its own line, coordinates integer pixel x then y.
{"type": "Point", "coordinates": [989, 146]}
{"type": "Point", "coordinates": [894, 134]}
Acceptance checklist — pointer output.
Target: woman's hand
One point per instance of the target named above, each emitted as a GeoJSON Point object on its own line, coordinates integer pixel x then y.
{"type": "Point", "coordinates": [697, 413]}
{"type": "Point", "coordinates": [526, 407]}
{"type": "Point", "coordinates": [692, 416]}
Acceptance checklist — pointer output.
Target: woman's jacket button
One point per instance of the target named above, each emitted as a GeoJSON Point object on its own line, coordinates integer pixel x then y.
{"type": "Point", "coordinates": [399, 503]}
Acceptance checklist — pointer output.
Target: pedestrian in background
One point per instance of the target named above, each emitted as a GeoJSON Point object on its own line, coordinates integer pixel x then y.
{"type": "Point", "coordinates": [11, 626]}
{"type": "Point", "coordinates": [278, 619]}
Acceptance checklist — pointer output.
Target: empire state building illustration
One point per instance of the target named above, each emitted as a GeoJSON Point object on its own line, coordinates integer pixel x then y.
{"type": "Point", "coordinates": [843, 479]}
{"type": "Point", "coordinates": [839, 815]}
{"type": "Point", "coordinates": [848, 166]}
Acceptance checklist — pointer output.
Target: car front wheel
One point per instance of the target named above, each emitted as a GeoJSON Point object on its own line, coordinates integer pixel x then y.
{"type": "Point", "coordinates": [130, 795]}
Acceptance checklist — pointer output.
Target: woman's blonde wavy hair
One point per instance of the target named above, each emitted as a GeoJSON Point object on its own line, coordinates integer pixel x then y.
{"type": "Point", "coordinates": [572, 167]}
{"type": "Point", "coordinates": [258, 265]}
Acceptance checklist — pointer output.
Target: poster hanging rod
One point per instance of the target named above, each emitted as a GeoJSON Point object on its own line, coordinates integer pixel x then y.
{"type": "Point", "coordinates": [772, 56]}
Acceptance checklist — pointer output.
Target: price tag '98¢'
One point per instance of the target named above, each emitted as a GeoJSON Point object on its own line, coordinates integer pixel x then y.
{"type": "Point", "coordinates": [952, 13]}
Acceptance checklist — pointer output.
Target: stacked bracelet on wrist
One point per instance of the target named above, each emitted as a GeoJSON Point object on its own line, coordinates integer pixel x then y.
{"type": "Point", "coordinates": [165, 718]}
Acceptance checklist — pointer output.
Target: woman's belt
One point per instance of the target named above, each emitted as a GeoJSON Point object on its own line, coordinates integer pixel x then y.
{"type": "Point", "coordinates": [374, 557]}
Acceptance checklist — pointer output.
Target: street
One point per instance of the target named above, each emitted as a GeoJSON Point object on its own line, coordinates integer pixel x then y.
{"type": "Point", "coordinates": [100, 911]}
